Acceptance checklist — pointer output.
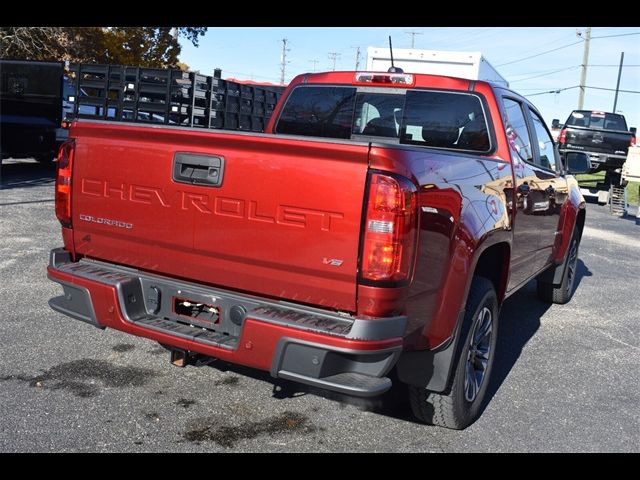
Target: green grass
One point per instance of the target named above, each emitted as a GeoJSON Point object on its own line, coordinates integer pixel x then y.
{"type": "Point", "coordinates": [587, 180]}
{"type": "Point", "coordinates": [632, 193]}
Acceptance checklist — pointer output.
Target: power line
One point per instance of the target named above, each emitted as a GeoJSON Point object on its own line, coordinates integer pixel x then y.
{"type": "Point", "coordinates": [529, 89]}
{"type": "Point", "coordinates": [618, 35]}
{"type": "Point", "coordinates": [557, 90]}
{"type": "Point", "coordinates": [566, 46]}
{"type": "Point", "coordinates": [613, 89]}
{"type": "Point", "coordinates": [536, 72]}
{"type": "Point", "coordinates": [539, 54]}
{"type": "Point", "coordinates": [555, 41]}
{"type": "Point", "coordinates": [575, 66]}
{"type": "Point", "coordinates": [605, 28]}
{"type": "Point", "coordinates": [545, 74]}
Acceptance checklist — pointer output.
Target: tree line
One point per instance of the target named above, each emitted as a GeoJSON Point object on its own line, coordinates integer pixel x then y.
{"type": "Point", "coordinates": [152, 47]}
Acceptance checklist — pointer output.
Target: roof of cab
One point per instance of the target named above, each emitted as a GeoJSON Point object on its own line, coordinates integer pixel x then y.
{"type": "Point", "coordinates": [420, 80]}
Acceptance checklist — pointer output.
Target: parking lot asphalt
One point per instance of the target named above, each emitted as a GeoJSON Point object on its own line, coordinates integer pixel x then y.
{"type": "Point", "coordinates": [566, 377]}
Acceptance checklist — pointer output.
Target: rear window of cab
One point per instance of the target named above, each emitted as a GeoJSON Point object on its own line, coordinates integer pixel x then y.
{"type": "Point", "coordinates": [599, 120]}
{"type": "Point", "coordinates": [430, 118]}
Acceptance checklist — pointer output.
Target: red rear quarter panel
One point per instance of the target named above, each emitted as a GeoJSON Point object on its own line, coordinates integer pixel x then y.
{"type": "Point", "coordinates": [463, 210]}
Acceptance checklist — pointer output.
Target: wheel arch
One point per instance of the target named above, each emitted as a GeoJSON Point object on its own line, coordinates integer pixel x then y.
{"type": "Point", "coordinates": [432, 369]}
{"type": "Point", "coordinates": [493, 264]}
{"type": "Point", "coordinates": [580, 219]}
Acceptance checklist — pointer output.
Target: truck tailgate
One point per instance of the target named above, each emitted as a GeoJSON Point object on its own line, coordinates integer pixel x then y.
{"type": "Point", "coordinates": [601, 141]}
{"type": "Point", "coordinates": [284, 222]}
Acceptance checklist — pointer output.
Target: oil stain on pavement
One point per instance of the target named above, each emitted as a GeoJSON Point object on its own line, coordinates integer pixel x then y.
{"type": "Point", "coordinates": [186, 402]}
{"type": "Point", "coordinates": [123, 347]}
{"type": "Point", "coordinates": [227, 381]}
{"type": "Point", "coordinates": [214, 430]}
{"type": "Point", "coordinates": [83, 377]}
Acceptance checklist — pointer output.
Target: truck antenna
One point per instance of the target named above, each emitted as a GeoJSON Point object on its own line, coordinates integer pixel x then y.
{"type": "Point", "coordinates": [393, 68]}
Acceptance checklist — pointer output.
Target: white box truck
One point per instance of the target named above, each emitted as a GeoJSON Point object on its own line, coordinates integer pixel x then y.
{"type": "Point", "coordinates": [469, 65]}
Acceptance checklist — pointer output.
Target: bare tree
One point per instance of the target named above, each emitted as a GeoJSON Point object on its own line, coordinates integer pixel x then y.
{"type": "Point", "coordinates": [33, 43]}
{"type": "Point", "coordinates": [145, 46]}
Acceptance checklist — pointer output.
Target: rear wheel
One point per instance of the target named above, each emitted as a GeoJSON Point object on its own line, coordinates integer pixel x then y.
{"type": "Point", "coordinates": [562, 293]}
{"type": "Point", "coordinates": [463, 403]}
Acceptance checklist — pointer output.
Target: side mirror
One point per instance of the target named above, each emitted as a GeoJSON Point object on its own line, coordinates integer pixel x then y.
{"type": "Point", "coordinates": [578, 162]}
{"type": "Point", "coordinates": [633, 130]}
{"type": "Point", "coordinates": [555, 123]}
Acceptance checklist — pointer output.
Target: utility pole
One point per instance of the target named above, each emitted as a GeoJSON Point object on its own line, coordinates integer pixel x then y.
{"type": "Point", "coordinates": [334, 56]}
{"type": "Point", "coordinates": [413, 37]}
{"type": "Point", "coordinates": [357, 58]}
{"type": "Point", "coordinates": [283, 60]}
{"type": "Point", "coordinates": [615, 100]}
{"type": "Point", "coordinates": [585, 62]}
{"type": "Point", "coordinates": [315, 62]}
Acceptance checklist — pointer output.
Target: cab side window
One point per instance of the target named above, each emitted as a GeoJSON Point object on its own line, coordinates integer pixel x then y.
{"type": "Point", "coordinates": [546, 158]}
{"type": "Point", "coordinates": [517, 132]}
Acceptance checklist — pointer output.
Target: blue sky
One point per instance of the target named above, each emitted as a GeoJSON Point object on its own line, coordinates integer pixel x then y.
{"type": "Point", "coordinates": [254, 53]}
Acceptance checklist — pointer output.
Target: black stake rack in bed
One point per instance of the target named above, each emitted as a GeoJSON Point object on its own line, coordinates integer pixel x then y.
{"type": "Point", "coordinates": [170, 97]}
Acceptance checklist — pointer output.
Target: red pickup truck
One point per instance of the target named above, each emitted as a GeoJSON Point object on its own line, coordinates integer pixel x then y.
{"type": "Point", "coordinates": [378, 224]}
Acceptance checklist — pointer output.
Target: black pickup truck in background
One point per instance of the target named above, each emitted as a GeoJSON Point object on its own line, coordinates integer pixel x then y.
{"type": "Point", "coordinates": [30, 108]}
{"type": "Point", "coordinates": [603, 136]}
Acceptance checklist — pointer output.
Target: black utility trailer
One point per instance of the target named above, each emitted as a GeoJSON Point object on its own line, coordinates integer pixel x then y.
{"type": "Point", "coordinates": [30, 108]}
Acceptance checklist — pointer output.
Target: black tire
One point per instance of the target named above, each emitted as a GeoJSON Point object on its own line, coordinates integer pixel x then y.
{"type": "Point", "coordinates": [462, 404]}
{"type": "Point", "coordinates": [562, 293]}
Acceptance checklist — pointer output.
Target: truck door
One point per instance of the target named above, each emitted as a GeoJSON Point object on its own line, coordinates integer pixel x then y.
{"type": "Point", "coordinates": [550, 190]}
{"type": "Point", "coordinates": [525, 224]}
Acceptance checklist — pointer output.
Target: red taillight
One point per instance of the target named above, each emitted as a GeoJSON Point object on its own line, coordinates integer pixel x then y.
{"type": "Point", "coordinates": [632, 143]}
{"type": "Point", "coordinates": [63, 182]}
{"type": "Point", "coordinates": [563, 136]}
{"type": "Point", "coordinates": [390, 228]}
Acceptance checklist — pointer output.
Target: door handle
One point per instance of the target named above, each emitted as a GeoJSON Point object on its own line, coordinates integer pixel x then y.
{"type": "Point", "coordinates": [198, 169]}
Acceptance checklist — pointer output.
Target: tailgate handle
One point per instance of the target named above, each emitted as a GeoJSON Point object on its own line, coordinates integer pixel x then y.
{"type": "Point", "coordinates": [198, 169]}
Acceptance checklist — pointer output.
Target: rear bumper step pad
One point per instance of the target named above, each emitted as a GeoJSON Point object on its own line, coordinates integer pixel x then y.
{"type": "Point", "coordinates": [347, 355]}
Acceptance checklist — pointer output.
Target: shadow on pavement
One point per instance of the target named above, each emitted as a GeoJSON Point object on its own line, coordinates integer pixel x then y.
{"type": "Point", "coordinates": [519, 321]}
{"type": "Point", "coordinates": [631, 210]}
{"type": "Point", "coordinates": [631, 215]}
{"type": "Point", "coordinates": [27, 173]}
{"type": "Point", "coordinates": [581, 271]}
